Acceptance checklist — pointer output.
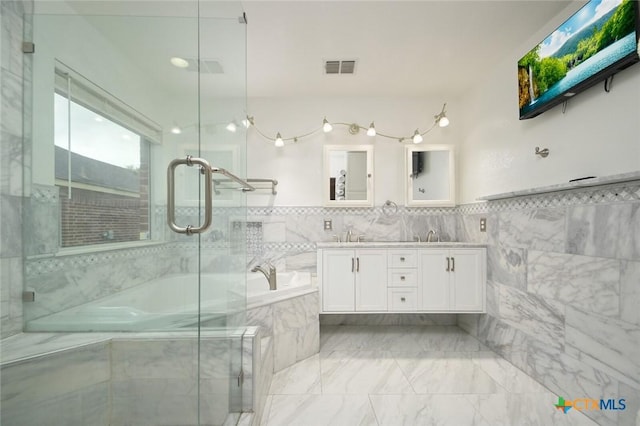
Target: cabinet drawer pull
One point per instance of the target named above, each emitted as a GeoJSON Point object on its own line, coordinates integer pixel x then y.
{"type": "Point", "coordinates": [453, 264]}
{"type": "Point", "coordinates": [448, 264]}
{"type": "Point", "coordinates": [402, 299]}
{"type": "Point", "coordinates": [402, 278]}
{"type": "Point", "coordinates": [352, 264]}
{"type": "Point", "coordinates": [402, 259]}
{"type": "Point", "coordinates": [357, 264]}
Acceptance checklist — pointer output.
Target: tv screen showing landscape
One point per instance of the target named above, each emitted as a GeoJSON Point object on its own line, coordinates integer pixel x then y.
{"type": "Point", "coordinates": [594, 43]}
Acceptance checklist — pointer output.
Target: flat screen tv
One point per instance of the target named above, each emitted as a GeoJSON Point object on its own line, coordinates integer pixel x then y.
{"type": "Point", "coordinates": [597, 41]}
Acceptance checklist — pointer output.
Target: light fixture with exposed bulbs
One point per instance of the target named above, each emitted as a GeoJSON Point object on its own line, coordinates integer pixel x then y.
{"type": "Point", "coordinates": [279, 142]}
{"type": "Point", "coordinates": [440, 120]}
{"type": "Point", "coordinates": [371, 131]}
{"type": "Point", "coordinates": [232, 126]}
{"type": "Point", "coordinates": [326, 126]}
{"type": "Point", "coordinates": [179, 62]}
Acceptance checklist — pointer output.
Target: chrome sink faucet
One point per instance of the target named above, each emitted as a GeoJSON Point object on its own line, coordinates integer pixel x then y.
{"type": "Point", "coordinates": [431, 234]}
{"type": "Point", "coordinates": [269, 274]}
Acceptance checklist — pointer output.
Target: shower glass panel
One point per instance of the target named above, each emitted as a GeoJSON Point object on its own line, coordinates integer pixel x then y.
{"type": "Point", "coordinates": [114, 99]}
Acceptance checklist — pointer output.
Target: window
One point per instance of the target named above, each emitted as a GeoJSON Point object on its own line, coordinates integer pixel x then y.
{"type": "Point", "coordinates": [102, 171]}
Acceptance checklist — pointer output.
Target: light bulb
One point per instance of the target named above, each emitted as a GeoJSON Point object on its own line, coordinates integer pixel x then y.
{"type": "Point", "coordinates": [232, 127]}
{"type": "Point", "coordinates": [176, 130]}
{"type": "Point", "coordinates": [443, 122]}
{"type": "Point", "coordinates": [179, 62]}
{"type": "Point", "coordinates": [371, 131]}
{"type": "Point", "coordinates": [326, 126]}
{"type": "Point", "coordinates": [279, 142]}
{"type": "Point", "coordinates": [247, 122]}
{"type": "Point", "coordinates": [417, 137]}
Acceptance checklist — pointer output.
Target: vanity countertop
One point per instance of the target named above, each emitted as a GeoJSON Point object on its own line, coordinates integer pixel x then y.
{"type": "Point", "coordinates": [398, 244]}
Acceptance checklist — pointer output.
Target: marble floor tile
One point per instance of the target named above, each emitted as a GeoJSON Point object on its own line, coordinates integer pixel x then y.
{"type": "Point", "coordinates": [321, 410]}
{"type": "Point", "coordinates": [362, 377]}
{"type": "Point", "coordinates": [448, 339]}
{"type": "Point", "coordinates": [362, 372]}
{"type": "Point", "coordinates": [506, 374]}
{"type": "Point", "coordinates": [446, 373]}
{"type": "Point", "coordinates": [411, 410]}
{"type": "Point", "coordinates": [301, 378]}
{"type": "Point", "coordinates": [353, 338]}
{"type": "Point", "coordinates": [266, 411]}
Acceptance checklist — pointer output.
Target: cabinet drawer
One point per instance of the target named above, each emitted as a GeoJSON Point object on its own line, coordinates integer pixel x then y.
{"type": "Point", "coordinates": [403, 277]}
{"type": "Point", "coordinates": [402, 259]}
{"type": "Point", "coordinates": [402, 299]}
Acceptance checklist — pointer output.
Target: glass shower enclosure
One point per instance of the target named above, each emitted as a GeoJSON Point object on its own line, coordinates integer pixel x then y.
{"type": "Point", "coordinates": [136, 113]}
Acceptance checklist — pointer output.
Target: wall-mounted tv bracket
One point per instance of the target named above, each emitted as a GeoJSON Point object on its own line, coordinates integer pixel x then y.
{"type": "Point", "coordinates": [608, 82]}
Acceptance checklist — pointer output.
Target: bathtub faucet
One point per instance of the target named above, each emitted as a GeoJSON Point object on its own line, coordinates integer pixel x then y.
{"type": "Point", "coordinates": [269, 274]}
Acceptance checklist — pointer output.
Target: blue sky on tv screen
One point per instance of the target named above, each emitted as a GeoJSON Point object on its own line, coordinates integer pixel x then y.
{"type": "Point", "coordinates": [589, 13]}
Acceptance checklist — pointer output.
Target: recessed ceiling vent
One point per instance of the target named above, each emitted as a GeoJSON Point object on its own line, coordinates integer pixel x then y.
{"type": "Point", "coordinates": [340, 67]}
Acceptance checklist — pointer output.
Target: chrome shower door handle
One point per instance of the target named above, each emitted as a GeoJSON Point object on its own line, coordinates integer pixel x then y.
{"type": "Point", "coordinates": [205, 169]}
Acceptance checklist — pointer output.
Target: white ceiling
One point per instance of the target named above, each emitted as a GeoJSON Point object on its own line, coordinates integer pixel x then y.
{"type": "Point", "coordinates": [412, 48]}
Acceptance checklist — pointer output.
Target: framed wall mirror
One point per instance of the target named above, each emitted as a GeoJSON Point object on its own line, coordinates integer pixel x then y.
{"type": "Point", "coordinates": [348, 176]}
{"type": "Point", "coordinates": [430, 176]}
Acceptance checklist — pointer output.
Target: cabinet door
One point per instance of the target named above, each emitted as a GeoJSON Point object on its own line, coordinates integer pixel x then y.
{"type": "Point", "coordinates": [371, 280]}
{"type": "Point", "coordinates": [467, 280]}
{"type": "Point", "coordinates": [338, 293]}
{"type": "Point", "coordinates": [433, 280]}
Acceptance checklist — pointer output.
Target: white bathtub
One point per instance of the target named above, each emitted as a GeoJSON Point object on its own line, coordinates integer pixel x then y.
{"type": "Point", "coordinates": [289, 284]}
{"type": "Point", "coordinates": [171, 302]}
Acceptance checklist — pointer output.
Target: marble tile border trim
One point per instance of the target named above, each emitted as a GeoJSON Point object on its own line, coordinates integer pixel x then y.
{"type": "Point", "coordinates": [328, 211]}
{"type": "Point", "coordinates": [620, 192]}
{"type": "Point", "coordinates": [35, 267]}
{"type": "Point", "coordinates": [591, 195]}
{"type": "Point", "coordinates": [580, 183]}
{"type": "Point", "coordinates": [616, 192]}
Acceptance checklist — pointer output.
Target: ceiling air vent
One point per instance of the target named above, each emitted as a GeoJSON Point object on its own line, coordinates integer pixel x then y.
{"type": "Point", "coordinates": [340, 67]}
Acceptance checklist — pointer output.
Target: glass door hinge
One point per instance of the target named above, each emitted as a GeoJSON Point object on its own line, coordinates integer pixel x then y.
{"type": "Point", "coordinates": [28, 47]}
{"type": "Point", "coordinates": [28, 296]}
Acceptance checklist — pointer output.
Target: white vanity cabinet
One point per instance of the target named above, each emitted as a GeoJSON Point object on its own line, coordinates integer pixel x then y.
{"type": "Point", "coordinates": [354, 280]}
{"type": "Point", "coordinates": [452, 280]}
{"type": "Point", "coordinates": [402, 280]}
{"type": "Point", "coordinates": [393, 277]}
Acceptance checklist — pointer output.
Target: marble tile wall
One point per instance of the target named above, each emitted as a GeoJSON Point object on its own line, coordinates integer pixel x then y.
{"type": "Point", "coordinates": [66, 387]}
{"type": "Point", "coordinates": [14, 156]}
{"type": "Point", "coordinates": [154, 381]}
{"type": "Point", "coordinates": [293, 325]}
{"type": "Point", "coordinates": [290, 233]}
{"type": "Point", "coordinates": [564, 290]}
{"type": "Point", "coordinates": [142, 380]}
{"type": "Point", "coordinates": [64, 281]}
